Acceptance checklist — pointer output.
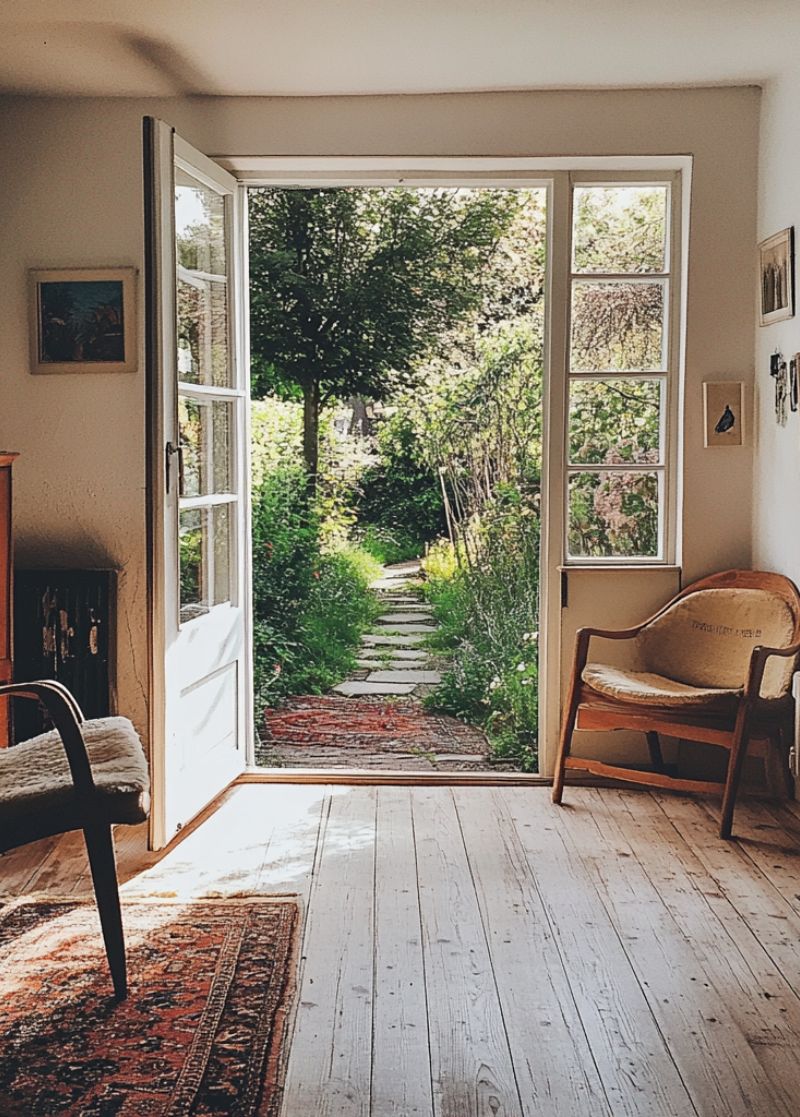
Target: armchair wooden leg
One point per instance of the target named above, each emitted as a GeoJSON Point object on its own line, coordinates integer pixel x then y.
{"type": "Point", "coordinates": [656, 758]}
{"type": "Point", "coordinates": [564, 745]}
{"type": "Point", "coordinates": [733, 778]}
{"type": "Point", "coordinates": [100, 847]}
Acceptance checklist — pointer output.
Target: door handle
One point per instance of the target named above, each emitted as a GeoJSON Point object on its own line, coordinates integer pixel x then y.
{"type": "Point", "coordinates": [177, 449]}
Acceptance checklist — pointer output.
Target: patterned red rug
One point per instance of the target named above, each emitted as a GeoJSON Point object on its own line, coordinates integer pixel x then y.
{"type": "Point", "coordinates": [201, 1032]}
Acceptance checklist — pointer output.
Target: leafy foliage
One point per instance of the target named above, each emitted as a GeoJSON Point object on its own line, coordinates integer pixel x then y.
{"type": "Point", "coordinates": [349, 287]}
{"type": "Point", "coordinates": [310, 607]}
{"type": "Point", "coordinates": [401, 492]}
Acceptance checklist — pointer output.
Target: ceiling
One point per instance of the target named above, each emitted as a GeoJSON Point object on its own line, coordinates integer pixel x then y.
{"type": "Point", "coordinates": [326, 47]}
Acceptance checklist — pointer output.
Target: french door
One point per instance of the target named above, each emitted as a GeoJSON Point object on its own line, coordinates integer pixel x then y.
{"type": "Point", "coordinates": [198, 397]}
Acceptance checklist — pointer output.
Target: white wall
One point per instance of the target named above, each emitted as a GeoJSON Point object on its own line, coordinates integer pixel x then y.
{"type": "Point", "coordinates": [776, 520]}
{"type": "Point", "coordinates": [72, 195]}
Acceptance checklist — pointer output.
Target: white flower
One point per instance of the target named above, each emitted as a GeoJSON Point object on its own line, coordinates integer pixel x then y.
{"type": "Point", "coordinates": [526, 682]}
{"type": "Point", "coordinates": [521, 666]}
{"type": "Point", "coordinates": [494, 684]}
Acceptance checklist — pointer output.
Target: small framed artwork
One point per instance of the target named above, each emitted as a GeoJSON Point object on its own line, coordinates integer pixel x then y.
{"type": "Point", "coordinates": [83, 320]}
{"type": "Point", "coordinates": [723, 403]}
{"type": "Point", "coordinates": [776, 277]}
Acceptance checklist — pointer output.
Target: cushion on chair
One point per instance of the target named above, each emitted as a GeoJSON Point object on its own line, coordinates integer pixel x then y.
{"type": "Point", "coordinates": [706, 639]}
{"type": "Point", "coordinates": [36, 791]}
{"type": "Point", "coordinates": [648, 689]}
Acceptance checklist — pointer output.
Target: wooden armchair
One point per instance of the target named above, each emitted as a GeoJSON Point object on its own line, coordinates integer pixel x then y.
{"type": "Point", "coordinates": [83, 775]}
{"type": "Point", "coordinates": [714, 665]}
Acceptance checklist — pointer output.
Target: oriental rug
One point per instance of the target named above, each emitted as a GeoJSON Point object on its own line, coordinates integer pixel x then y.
{"type": "Point", "coordinates": [201, 1032]}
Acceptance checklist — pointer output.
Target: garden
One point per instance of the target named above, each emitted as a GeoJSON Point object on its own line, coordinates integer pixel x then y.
{"type": "Point", "coordinates": [397, 340]}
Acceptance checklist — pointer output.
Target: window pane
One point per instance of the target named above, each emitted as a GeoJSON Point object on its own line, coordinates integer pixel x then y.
{"type": "Point", "coordinates": [202, 331]}
{"type": "Point", "coordinates": [202, 255]}
{"type": "Point", "coordinates": [199, 225]}
{"type": "Point", "coordinates": [613, 515]}
{"type": "Point", "coordinates": [223, 566]}
{"type": "Point", "coordinates": [205, 427]}
{"type": "Point", "coordinates": [190, 545]}
{"type": "Point", "coordinates": [619, 228]}
{"type": "Point", "coordinates": [206, 566]}
{"type": "Point", "coordinates": [615, 421]}
{"type": "Point", "coordinates": [617, 326]}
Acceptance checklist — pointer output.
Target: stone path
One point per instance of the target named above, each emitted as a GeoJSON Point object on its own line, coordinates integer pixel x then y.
{"type": "Point", "coordinates": [394, 659]}
{"type": "Point", "coordinates": [375, 718]}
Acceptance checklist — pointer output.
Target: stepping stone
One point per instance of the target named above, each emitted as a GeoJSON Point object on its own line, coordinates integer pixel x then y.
{"type": "Point", "coordinates": [374, 639]}
{"type": "Point", "coordinates": [372, 664]}
{"type": "Point", "coordinates": [391, 599]}
{"type": "Point", "coordinates": [353, 689]}
{"type": "Point", "coordinates": [407, 653]}
{"type": "Point", "coordinates": [404, 676]}
{"type": "Point", "coordinates": [402, 665]}
{"type": "Point", "coordinates": [400, 618]}
{"type": "Point", "coordinates": [409, 629]}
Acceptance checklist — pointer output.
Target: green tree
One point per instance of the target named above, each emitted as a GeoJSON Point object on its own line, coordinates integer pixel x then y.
{"type": "Point", "coordinates": [351, 287]}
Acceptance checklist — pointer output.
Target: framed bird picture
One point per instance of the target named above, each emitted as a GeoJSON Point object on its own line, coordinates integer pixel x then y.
{"type": "Point", "coordinates": [723, 403]}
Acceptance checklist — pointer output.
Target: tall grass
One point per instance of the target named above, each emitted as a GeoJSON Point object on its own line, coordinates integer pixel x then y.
{"type": "Point", "coordinates": [487, 611]}
{"type": "Point", "coordinates": [310, 605]}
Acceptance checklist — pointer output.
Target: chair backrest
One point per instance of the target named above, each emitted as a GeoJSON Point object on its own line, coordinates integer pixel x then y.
{"type": "Point", "coordinates": [705, 637]}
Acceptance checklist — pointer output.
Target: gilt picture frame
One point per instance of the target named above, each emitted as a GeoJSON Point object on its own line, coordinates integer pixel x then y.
{"type": "Point", "coordinates": [82, 320]}
{"type": "Point", "coordinates": [724, 413]}
{"type": "Point", "coordinates": [776, 277]}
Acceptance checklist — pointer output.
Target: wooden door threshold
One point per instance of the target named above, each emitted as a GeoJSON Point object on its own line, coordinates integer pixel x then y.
{"type": "Point", "coordinates": [391, 777]}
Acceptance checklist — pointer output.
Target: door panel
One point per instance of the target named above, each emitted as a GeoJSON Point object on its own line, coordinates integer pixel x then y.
{"type": "Point", "coordinates": [198, 478]}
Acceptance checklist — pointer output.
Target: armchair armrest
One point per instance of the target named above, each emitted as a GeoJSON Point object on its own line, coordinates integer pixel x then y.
{"type": "Point", "coordinates": [758, 665]}
{"type": "Point", "coordinates": [584, 635]}
{"type": "Point", "coordinates": [66, 717]}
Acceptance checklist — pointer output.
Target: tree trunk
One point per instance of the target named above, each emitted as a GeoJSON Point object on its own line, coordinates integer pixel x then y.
{"type": "Point", "coordinates": [311, 432]}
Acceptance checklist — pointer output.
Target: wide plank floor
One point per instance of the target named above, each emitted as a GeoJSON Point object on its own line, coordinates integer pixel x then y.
{"type": "Point", "coordinates": [477, 952]}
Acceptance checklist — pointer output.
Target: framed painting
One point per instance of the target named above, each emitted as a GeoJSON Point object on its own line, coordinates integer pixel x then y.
{"type": "Point", "coordinates": [83, 320]}
{"type": "Point", "coordinates": [776, 277]}
{"type": "Point", "coordinates": [723, 404]}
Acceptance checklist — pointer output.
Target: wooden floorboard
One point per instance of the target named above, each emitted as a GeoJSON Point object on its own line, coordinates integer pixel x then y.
{"type": "Point", "coordinates": [401, 1069]}
{"type": "Point", "coordinates": [694, 1004]}
{"type": "Point", "coordinates": [472, 1070]}
{"type": "Point", "coordinates": [551, 1054]}
{"type": "Point", "coordinates": [478, 952]}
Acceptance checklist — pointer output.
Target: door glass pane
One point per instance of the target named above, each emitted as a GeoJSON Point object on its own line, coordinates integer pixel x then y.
{"type": "Point", "coordinates": [617, 326]}
{"type": "Point", "coordinates": [206, 565]}
{"type": "Point", "coordinates": [190, 540]}
{"type": "Point", "coordinates": [202, 256]}
{"type": "Point", "coordinates": [614, 515]}
{"type": "Point", "coordinates": [223, 565]}
{"type": "Point", "coordinates": [620, 228]}
{"type": "Point", "coordinates": [615, 421]}
{"type": "Point", "coordinates": [205, 427]}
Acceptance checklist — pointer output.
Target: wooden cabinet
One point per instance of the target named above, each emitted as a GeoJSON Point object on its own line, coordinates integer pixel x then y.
{"type": "Point", "coordinates": [6, 588]}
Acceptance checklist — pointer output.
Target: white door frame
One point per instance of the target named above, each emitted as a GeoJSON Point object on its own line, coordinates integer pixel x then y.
{"type": "Point", "coordinates": [554, 174]}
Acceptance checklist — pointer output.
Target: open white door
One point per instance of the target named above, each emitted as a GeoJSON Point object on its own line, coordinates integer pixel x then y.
{"type": "Point", "coordinates": [198, 396]}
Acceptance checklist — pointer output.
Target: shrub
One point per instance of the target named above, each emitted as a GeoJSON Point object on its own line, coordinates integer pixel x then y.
{"type": "Point", "coordinates": [309, 607]}
{"type": "Point", "coordinates": [401, 492]}
{"type": "Point", "coordinates": [487, 614]}
{"type": "Point", "coordinates": [389, 545]}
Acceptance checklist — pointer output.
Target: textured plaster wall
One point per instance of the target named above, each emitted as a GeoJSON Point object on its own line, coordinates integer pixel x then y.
{"type": "Point", "coordinates": [776, 521]}
{"type": "Point", "coordinates": [72, 195]}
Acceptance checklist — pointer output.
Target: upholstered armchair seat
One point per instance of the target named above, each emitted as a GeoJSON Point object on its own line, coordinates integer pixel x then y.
{"type": "Point", "coordinates": [648, 689]}
{"type": "Point", "coordinates": [37, 792]}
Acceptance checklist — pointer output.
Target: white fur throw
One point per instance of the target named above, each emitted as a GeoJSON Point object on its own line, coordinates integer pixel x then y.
{"type": "Point", "coordinates": [35, 775]}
